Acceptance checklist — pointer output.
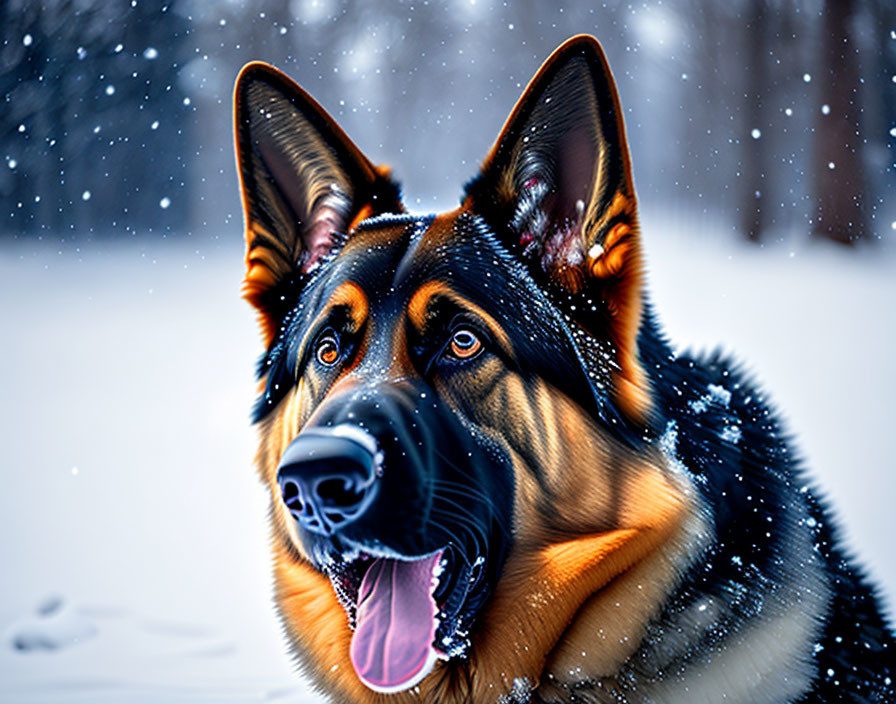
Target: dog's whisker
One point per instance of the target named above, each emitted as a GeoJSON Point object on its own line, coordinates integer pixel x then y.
{"type": "Point", "coordinates": [439, 526]}
{"type": "Point", "coordinates": [469, 491]}
{"type": "Point", "coordinates": [476, 532]}
{"type": "Point", "coordinates": [496, 517]}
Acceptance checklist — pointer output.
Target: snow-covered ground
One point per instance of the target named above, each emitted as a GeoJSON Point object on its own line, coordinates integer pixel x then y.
{"type": "Point", "coordinates": [134, 548]}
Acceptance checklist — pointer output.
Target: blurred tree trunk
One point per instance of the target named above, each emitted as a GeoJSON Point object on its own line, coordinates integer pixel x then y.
{"type": "Point", "coordinates": [755, 144]}
{"type": "Point", "coordinates": [839, 172]}
{"type": "Point", "coordinates": [880, 114]}
{"type": "Point", "coordinates": [714, 123]}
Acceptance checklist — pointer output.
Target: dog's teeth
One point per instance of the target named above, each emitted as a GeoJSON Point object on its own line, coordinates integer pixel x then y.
{"type": "Point", "coordinates": [345, 594]}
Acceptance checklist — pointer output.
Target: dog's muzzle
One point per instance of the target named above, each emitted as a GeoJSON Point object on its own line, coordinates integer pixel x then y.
{"type": "Point", "coordinates": [328, 477]}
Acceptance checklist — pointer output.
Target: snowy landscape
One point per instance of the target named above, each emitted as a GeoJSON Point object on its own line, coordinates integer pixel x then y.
{"type": "Point", "coordinates": [134, 549]}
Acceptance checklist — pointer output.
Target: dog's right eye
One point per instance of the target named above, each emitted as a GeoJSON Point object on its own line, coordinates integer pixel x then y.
{"type": "Point", "coordinates": [328, 350]}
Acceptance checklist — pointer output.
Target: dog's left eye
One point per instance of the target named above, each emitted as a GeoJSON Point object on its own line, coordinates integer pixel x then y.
{"type": "Point", "coordinates": [465, 344]}
{"type": "Point", "coordinates": [328, 350]}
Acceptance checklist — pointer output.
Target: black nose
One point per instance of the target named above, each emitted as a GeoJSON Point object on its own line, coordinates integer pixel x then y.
{"type": "Point", "coordinates": [327, 477]}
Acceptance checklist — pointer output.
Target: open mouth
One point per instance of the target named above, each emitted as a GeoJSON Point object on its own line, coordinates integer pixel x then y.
{"type": "Point", "coordinates": [406, 612]}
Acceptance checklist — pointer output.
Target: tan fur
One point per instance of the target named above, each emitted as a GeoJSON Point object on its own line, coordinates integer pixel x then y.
{"type": "Point", "coordinates": [610, 626]}
{"type": "Point", "coordinates": [261, 274]}
{"type": "Point", "coordinates": [352, 296]}
{"type": "Point", "coordinates": [419, 302]}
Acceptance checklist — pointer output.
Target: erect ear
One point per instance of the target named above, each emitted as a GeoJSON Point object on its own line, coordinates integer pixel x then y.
{"type": "Point", "coordinates": [304, 185]}
{"type": "Point", "coordinates": [557, 189]}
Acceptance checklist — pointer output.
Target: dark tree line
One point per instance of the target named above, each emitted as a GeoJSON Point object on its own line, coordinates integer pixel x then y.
{"type": "Point", "coordinates": [740, 107]}
{"type": "Point", "coordinates": [814, 149]}
{"type": "Point", "coordinates": [92, 124]}
{"type": "Point", "coordinates": [840, 188]}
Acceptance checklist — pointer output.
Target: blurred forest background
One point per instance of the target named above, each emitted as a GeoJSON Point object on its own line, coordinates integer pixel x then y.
{"type": "Point", "coordinates": [780, 115]}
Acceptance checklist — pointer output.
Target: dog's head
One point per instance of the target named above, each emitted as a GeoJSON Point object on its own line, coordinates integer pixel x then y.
{"type": "Point", "coordinates": [449, 405]}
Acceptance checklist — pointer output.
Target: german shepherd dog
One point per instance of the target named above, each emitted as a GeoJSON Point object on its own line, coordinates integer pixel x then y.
{"type": "Point", "coordinates": [491, 477]}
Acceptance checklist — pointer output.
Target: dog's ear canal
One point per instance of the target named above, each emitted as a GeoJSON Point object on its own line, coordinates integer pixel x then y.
{"type": "Point", "coordinates": [557, 190]}
{"type": "Point", "coordinates": [304, 184]}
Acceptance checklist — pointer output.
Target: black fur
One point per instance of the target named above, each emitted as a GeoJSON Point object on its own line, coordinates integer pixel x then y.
{"type": "Point", "coordinates": [754, 487]}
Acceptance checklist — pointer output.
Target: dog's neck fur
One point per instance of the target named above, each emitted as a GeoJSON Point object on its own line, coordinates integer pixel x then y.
{"type": "Point", "coordinates": [626, 636]}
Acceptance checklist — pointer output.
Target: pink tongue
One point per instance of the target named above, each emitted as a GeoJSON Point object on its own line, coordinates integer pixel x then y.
{"type": "Point", "coordinates": [392, 644]}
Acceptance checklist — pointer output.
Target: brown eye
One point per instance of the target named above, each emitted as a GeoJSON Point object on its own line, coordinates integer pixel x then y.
{"type": "Point", "coordinates": [328, 350]}
{"type": "Point", "coordinates": [465, 344]}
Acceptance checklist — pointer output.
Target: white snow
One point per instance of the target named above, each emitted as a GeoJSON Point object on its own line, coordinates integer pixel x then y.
{"type": "Point", "coordinates": [123, 364]}
{"type": "Point", "coordinates": [731, 433]}
{"type": "Point", "coordinates": [135, 556]}
{"type": "Point", "coordinates": [719, 395]}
